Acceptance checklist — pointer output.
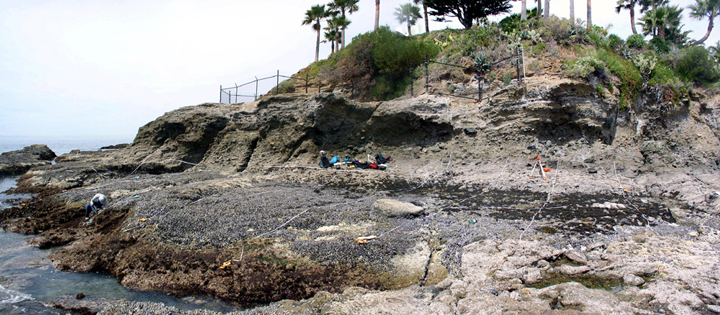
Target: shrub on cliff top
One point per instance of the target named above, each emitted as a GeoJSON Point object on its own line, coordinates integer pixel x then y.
{"type": "Point", "coordinates": [697, 66]}
{"type": "Point", "coordinates": [380, 62]}
{"type": "Point", "coordinates": [636, 41]}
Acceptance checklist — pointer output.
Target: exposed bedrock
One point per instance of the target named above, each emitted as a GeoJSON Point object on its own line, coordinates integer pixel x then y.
{"type": "Point", "coordinates": [20, 161]}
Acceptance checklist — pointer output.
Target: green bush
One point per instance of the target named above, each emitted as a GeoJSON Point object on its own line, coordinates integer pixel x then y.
{"type": "Point", "coordinates": [615, 42]}
{"type": "Point", "coordinates": [662, 74]}
{"type": "Point", "coordinates": [514, 22]}
{"type": "Point", "coordinates": [507, 78]}
{"type": "Point", "coordinates": [287, 86]}
{"type": "Point", "coordinates": [381, 61]}
{"type": "Point", "coordinates": [563, 31]}
{"type": "Point", "coordinates": [636, 41]}
{"type": "Point", "coordinates": [597, 39]}
{"type": "Point", "coordinates": [491, 77]}
{"type": "Point", "coordinates": [659, 45]}
{"type": "Point", "coordinates": [630, 78]}
{"type": "Point", "coordinates": [583, 66]}
{"type": "Point", "coordinates": [697, 66]}
{"type": "Point", "coordinates": [538, 49]}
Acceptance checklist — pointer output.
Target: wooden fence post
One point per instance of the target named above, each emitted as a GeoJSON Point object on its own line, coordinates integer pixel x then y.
{"type": "Point", "coordinates": [427, 80]}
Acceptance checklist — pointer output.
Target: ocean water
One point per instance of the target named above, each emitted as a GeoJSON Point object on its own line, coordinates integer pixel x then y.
{"type": "Point", "coordinates": [64, 144]}
{"type": "Point", "coordinates": [28, 279]}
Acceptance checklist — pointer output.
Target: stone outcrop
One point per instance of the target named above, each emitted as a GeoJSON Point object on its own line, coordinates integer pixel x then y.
{"type": "Point", "coordinates": [20, 161]}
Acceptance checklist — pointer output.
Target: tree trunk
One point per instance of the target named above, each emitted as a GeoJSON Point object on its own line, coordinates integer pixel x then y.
{"type": "Point", "coordinates": [589, 20]}
{"type": "Point", "coordinates": [317, 44]}
{"type": "Point", "coordinates": [539, 7]}
{"type": "Point", "coordinates": [332, 47]}
{"type": "Point", "coordinates": [572, 12]}
{"type": "Point", "coordinates": [377, 14]}
{"type": "Point", "coordinates": [661, 32]}
{"type": "Point", "coordinates": [632, 19]}
{"type": "Point", "coordinates": [409, 32]}
{"type": "Point", "coordinates": [547, 9]}
{"type": "Point", "coordinates": [710, 27]}
{"type": "Point", "coordinates": [427, 22]}
{"type": "Point", "coordinates": [343, 30]}
{"type": "Point", "coordinates": [523, 12]}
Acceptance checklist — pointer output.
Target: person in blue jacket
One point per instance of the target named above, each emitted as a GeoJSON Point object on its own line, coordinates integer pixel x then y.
{"type": "Point", "coordinates": [97, 202]}
{"type": "Point", "coordinates": [324, 162]}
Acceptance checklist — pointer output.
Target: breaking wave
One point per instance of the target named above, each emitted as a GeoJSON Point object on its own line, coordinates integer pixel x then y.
{"type": "Point", "coordinates": [8, 296]}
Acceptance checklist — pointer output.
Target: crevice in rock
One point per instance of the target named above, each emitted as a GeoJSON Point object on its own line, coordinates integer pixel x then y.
{"type": "Point", "coordinates": [248, 156]}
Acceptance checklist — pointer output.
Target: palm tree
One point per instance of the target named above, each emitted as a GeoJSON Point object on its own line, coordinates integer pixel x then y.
{"type": "Point", "coordinates": [702, 9]}
{"type": "Point", "coordinates": [377, 14]}
{"type": "Point", "coordinates": [539, 7]}
{"type": "Point", "coordinates": [427, 21]}
{"type": "Point", "coordinates": [628, 5]}
{"type": "Point", "coordinates": [647, 5]}
{"type": "Point", "coordinates": [333, 37]}
{"type": "Point", "coordinates": [523, 11]}
{"type": "Point", "coordinates": [349, 6]}
{"type": "Point", "coordinates": [313, 17]}
{"type": "Point", "coordinates": [333, 30]}
{"type": "Point", "coordinates": [408, 13]}
{"type": "Point", "coordinates": [340, 22]}
{"type": "Point", "coordinates": [662, 20]}
{"type": "Point", "coordinates": [547, 9]}
{"type": "Point", "coordinates": [715, 51]}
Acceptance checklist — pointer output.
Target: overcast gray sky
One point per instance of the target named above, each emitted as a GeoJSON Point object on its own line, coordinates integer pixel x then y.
{"type": "Point", "coordinates": [105, 68]}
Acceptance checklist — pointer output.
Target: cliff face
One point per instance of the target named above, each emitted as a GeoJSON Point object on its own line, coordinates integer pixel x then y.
{"type": "Point", "coordinates": [559, 119]}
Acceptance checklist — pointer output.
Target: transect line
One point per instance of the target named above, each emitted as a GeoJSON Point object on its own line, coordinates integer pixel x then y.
{"type": "Point", "coordinates": [306, 210]}
{"type": "Point", "coordinates": [492, 183]}
{"type": "Point", "coordinates": [552, 189]}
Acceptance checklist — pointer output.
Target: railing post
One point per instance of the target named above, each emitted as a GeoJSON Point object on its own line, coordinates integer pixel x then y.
{"type": "Point", "coordinates": [236, 93]}
{"type": "Point", "coordinates": [256, 87]}
{"type": "Point", "coordinates": [307, 82]}
{"type": "Point", "coordinates": [411, 83]}
{"type": "Point", "coordinates": [220, 94]}
{"type": "Point", "coordinates": [479, 88]}
{"type": "Point", "coordinates": [517, 65]}
{"type": "Point", "coordinates": [427, 75]}
{"type": "Point", "coordinates": [277, 85]}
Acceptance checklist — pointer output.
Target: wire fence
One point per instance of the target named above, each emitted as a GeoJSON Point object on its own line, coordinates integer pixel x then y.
{"type": "Point", "coordinates": [249, 90]}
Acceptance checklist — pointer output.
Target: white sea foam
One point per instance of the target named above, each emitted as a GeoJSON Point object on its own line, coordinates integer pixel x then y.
{"type": "Point", "coordinates": [8, 296]}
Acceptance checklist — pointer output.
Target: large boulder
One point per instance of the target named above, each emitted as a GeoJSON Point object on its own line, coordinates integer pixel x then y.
{"type": "Point", "coordinates": [20, 161]}
{"type": "Point", "coordinates": [394, 208]}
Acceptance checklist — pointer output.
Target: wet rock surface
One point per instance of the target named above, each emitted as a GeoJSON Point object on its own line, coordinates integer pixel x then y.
{"type": "Point", "coordinates": [226, 200]}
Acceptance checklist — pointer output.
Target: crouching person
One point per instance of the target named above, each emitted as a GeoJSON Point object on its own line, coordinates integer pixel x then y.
{"type": "Point", "coordinates": [324, 162]}
{"type": "Point", "coordinates": [97, 202]}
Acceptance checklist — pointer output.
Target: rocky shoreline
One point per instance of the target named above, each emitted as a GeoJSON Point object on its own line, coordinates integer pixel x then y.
{"type": "Point", "coordinates": [226, 200]}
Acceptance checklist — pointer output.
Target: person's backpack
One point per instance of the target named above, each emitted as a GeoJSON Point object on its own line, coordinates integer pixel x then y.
{"type": "Point", "coordinates": [335, 159]}
{"type": "Point", "coordinates": [373, 165]}
{"type": "Point", "coordinates": [348, 159]}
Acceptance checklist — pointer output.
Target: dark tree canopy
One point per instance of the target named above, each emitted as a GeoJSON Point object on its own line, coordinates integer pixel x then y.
{"type": "Point", "coordinates": [466, 11]}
